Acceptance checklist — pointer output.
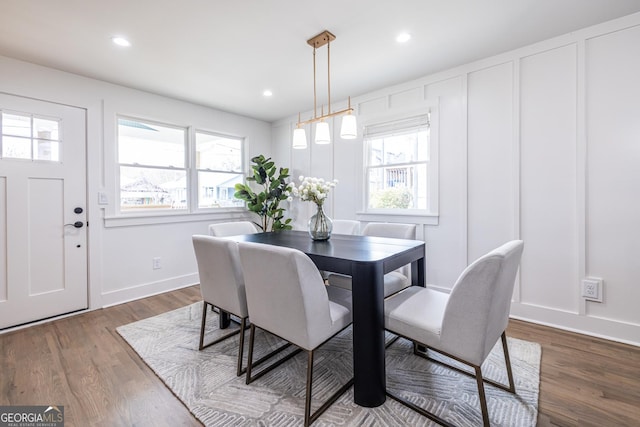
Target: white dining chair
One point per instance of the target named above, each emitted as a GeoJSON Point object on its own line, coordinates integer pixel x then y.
{"type": "Point", "coordinates": [465, 324]}
{"type": "Point", "coordinates": [345, 226]}
{"type": "Point", "coordinates": [394, 281]}
{"type": "Point", "coordinates": [286, 296]}
{"type": "Point", "coordinates": [221, 285]}
{"type": "Point", "coordinates": [224, 229]}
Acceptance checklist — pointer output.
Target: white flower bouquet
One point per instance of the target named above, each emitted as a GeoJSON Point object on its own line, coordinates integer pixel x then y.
{"type": "Point", "coordinates": [313, 190]}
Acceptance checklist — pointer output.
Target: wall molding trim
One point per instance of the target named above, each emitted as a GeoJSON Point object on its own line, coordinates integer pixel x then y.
{"type": "Point", "coordinates": [608, 329]}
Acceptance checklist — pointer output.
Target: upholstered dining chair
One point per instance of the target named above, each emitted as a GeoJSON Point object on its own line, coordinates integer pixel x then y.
{"type": "Point", "coordinates": [464, 324]}
{"type": "Point", "coordinates": [286, 296]}
{"type": "Point", "coordinates": [394, 281]}
{"type": "Point", "coordinates": [223, 229]}
{"type": "Point", "coordinates": [221, 285]}
{"type": "Point", "coordinates": [345, 226]}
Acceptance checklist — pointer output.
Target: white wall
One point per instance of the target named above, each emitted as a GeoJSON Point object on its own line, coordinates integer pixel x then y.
{"type": "Point", "coordinates": [121, 250]}
{"type": "Point", "coordinates": [542, 144]}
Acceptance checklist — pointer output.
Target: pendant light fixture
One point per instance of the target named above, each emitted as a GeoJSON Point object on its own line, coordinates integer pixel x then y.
{"type": "Point", "coordinates": [323, 134]}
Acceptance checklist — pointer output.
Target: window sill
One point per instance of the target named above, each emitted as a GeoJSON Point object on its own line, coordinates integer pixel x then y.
{"type": "Point", "coordinates": [414, 218]}
{"type": "Point", "coordinates": [143, 218]}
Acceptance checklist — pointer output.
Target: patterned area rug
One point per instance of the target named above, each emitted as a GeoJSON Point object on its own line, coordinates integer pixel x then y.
{"type": "Point", "coordinates": [205, 381]}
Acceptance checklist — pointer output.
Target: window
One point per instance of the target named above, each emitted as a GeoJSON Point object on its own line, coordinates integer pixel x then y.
{"type": "Point", "coordinates": [29, 137]}
{"type": "Point", "coordinates": [156, 174]}
{"type": "Point", "coordinates": [401, 176]}
{"type": "Point", "coordinates": [152, 166]}
{"type": "Point", "coordinates": [219, 166]}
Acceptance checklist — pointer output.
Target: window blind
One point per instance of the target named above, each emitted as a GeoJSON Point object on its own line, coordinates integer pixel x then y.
{"type": "Point", "coordinates": [397, 127]}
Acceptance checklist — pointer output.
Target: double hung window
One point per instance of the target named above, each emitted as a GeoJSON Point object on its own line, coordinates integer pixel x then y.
{"type": "Point", "coordinates": [157, 172]}
{"type": "Point", "coordinates": [400, 167]}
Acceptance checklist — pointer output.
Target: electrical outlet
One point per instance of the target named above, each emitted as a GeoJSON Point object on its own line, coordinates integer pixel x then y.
{"type": "Point", "coordinates": [592, 289]}
{"type": "Point", "coordinates": [156, 263]}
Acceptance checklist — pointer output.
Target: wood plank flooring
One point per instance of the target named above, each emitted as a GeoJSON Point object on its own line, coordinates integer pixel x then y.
{"type": "Point", "coordinates": [82, 363]}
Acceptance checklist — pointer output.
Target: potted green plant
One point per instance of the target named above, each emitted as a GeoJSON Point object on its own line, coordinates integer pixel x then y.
{"type": "Point", "coordinates": [275, 189]}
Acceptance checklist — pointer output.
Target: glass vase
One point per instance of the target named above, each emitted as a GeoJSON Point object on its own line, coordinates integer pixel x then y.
{"type": "Point", "coordinates": [320, 225]}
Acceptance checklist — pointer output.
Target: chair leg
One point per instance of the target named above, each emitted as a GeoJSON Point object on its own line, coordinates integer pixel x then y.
{"type": "Point", "coordinates": [309, 418]}
{"type": "Point", "coordinates": [204, 320]}
{"type": "Point", "coordinates": [250, 355]}
{"type": "Point", "coordinates": [507, 361]}
{"type": "Point", "coordinates": [307, 400]}
{"type": "Point", "coordinates": [219, 339]}
{"type": "Point", "coordinates": [243, 325]}
{"type": "Point", "coordinates": [250, 363]}
{"type": "Point", "coordinates": [483, 398]}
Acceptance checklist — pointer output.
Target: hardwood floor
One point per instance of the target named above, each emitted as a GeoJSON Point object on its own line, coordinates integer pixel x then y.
{"type": "Point", "coordinates": [82, 363]}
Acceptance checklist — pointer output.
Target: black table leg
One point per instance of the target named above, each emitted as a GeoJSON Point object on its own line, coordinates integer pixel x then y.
{"type": "Point", "coordinates": [417, 279]}
{"type": "Point", "coordinates": [417, 273]}
{"type": "Point", "coordinates": [368, 335]}
{"type": "Point", "coordinates": [224, 319]}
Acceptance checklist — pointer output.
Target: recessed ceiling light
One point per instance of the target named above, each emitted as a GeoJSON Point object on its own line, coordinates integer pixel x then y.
{"type": "Point", "coordinates": [403, 37]}
{"type": "Point", "coordinates": [267, 93]}
{"type": "Point", "coordinates": [121, 41]}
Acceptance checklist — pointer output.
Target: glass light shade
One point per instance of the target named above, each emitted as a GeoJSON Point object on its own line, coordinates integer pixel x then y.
{"type": "Point", "coordinates": [349, 128]}
{"type": "Point", "coordinates": [299, 139]}
{"type": "Point", "coordinates": [323, 135]}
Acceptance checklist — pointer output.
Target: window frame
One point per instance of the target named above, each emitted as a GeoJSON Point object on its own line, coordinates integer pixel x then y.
{"type": "Point", "coordinates": [192, 211]}
{"type": "Point", "coordinates": [427, 216]}
{"type": "Point", "coordinates": [195, 203]}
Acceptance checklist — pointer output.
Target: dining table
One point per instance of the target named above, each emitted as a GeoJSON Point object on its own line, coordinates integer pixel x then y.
{"type": "Point", "coordinates": [366, 259]}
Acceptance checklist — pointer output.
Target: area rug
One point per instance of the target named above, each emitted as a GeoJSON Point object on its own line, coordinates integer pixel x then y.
{"type": "Point", "coordinates": [206, 382]}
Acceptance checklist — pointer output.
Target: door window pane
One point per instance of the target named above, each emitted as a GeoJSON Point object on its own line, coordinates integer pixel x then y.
{"type": "Point", "coordinates": [16, 125]}
{"type": "Point", "coordinates": [46, 150]}
{"type": "Point", "coordinates": [16, 148]}
{"type": "Point", "coordinates": [25, 136]}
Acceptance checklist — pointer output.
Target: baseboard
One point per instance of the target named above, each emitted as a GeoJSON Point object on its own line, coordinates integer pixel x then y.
{"type": "Point", "coordinates": [608, 329]}
{"type": "Point", "coordinates": [148, 289]}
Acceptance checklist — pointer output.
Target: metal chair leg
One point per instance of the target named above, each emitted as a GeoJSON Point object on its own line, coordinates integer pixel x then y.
{"type": "Point", "coordinates": [507, 361]}
{"type": "Point", "coordinates": [250, 355]}
{"type": "Point", "coordinates": [243, 324]}
{"type": "Point", "coordinates": [309, 418]}
{"type": "Point", "coordinates": [243, 327]}
{"type": "Point", "coordinates": [483, 398]}
{"type": "Point", "coordinates": [251, 364]}
{"type": "Point", "coordinates": [204, 321]}
{"type": "Point", "coordinates": [478, 376]}
{"type": "Point", "coordinates": [307, 399]}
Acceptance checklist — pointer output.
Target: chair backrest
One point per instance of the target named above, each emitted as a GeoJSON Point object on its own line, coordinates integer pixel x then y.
{"type": "Point", "coordinates": [396, 231]}
{"type": "Point", "coordinates": [477, 311]}
{"type": "Point", "coordinates": [221, 279]}
{"type": "Point", "coordinates": [345, 226]}
{"type": "Point", "coordinates": [224, 229]}
{"type": "Point", "coordinates": [285, 293]}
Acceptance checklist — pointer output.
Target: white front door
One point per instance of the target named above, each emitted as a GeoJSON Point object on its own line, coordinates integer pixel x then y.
{"type": "Point", "coordinates": [43, 236]}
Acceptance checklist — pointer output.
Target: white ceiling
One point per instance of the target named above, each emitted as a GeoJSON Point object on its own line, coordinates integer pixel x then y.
{"type": "Point", "coordinates": [224, 54]}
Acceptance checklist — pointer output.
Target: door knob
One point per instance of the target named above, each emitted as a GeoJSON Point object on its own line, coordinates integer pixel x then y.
{"type": "Point", "coordinates": [77, 224]}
